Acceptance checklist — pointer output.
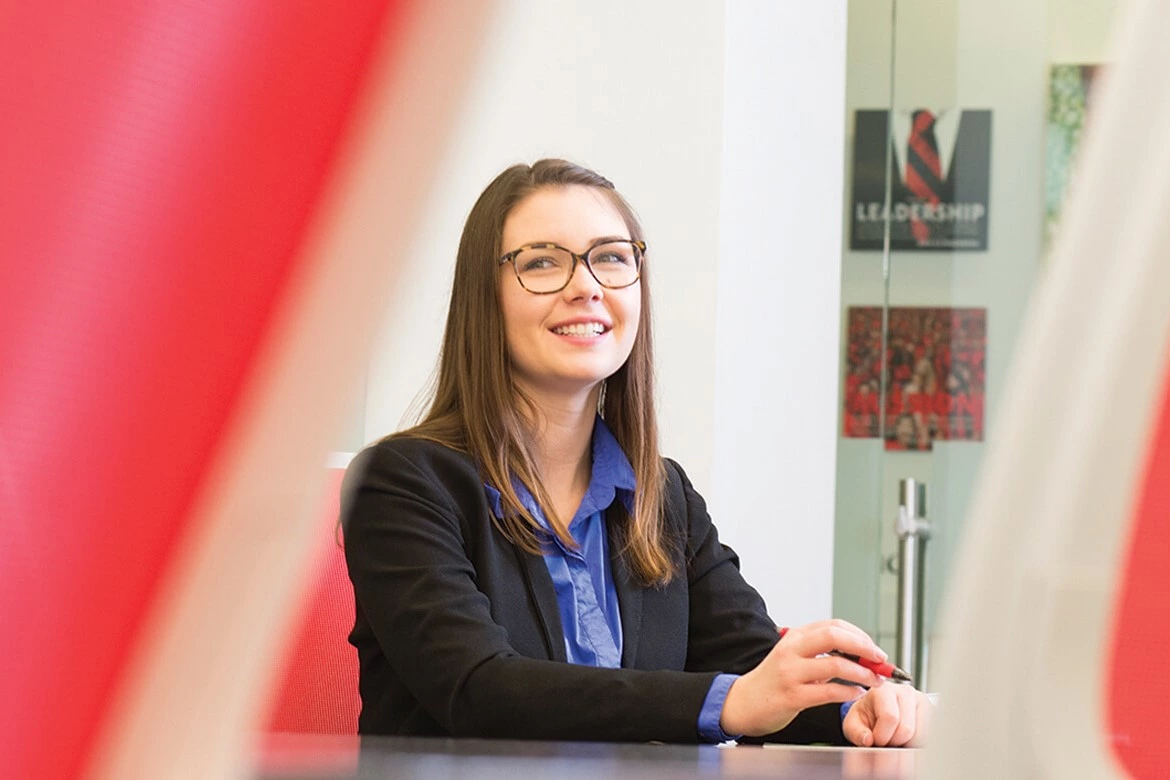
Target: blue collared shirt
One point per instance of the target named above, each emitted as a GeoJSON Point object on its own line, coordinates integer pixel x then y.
{"type": "Point", "coordinates": [583, 580]}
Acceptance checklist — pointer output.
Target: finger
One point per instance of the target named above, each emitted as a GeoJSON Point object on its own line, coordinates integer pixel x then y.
{"type": "Point", "coordinates": [908, 718]}
{"type": "Point", "coordinates": [816, 694]}
{"type": "Point", "coordinates": [856, 728]}
{"type": "Point", "coordinates": [835, 624]}
{"type": "Point", "coordinates": [829, 667]}
{"type": "Point", "coordinates": [886, 715]}
{"type": "Point", "coordinates": [857, 642]}
{"type": "Point", "coordinates": [859, 633]}
{"type": "Point", "coordinates": [847, 626]}
{"type": "Point", "coordinates": [827, 636]}
{"type": "Point", "coordinates": [924, 712]}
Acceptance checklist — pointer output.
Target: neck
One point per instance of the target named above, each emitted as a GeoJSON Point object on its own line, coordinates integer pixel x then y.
{"type": "Point", "coordinates": [565, 433]}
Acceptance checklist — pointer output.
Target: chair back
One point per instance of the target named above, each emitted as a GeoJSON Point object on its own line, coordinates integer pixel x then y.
{"type": "Point", "coordinates": [318, 693]}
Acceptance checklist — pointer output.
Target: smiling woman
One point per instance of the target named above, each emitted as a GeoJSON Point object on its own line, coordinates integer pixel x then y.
{"type": "Point", "coordinates": [564, 344]}
{"type": "Point", "coordinates": [526, 547]}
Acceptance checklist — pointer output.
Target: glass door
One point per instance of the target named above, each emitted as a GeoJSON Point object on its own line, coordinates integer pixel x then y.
{"type": "Point", "coordinates": [963, 119]}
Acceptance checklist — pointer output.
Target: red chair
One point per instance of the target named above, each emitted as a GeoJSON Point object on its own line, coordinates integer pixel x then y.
{"type": "Point", "coordinates": [318, 693]}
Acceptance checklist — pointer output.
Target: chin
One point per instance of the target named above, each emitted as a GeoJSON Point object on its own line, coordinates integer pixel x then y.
{"type": "Point", "coordinates": [581, 383]}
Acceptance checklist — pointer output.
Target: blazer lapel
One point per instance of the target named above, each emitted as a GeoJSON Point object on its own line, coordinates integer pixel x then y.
{"type": "Point", "coordinates": [543, 597]}
{"type": "Point", "coordinates": [629, 591]}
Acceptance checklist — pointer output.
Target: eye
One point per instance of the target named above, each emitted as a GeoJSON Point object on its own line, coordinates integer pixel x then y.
{"type": "Point", "coordinates": [542, 263]}
{"type": "Point", "coordinates": [612, 257]}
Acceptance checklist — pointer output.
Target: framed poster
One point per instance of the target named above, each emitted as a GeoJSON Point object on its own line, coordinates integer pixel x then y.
{"type": "Point", "coordinates": [935, 369]}
{"type": "Point", "coordinates": [939, 176]}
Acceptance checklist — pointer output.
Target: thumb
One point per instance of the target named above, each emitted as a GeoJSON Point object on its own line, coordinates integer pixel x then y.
{"type": "Point", "coordinates": [856, 730]}
{"type": "Point", "coordinates": [859, 735]}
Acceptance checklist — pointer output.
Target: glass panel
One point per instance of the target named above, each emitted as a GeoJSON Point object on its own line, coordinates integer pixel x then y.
{"type": "Point", "coordinates": [964, 117]}
{"type": "Point", "coordinates": [857, 563]}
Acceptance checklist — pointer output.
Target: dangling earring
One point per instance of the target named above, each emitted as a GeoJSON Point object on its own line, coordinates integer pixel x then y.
{"type": "Point", "coordinates": [601, 400]}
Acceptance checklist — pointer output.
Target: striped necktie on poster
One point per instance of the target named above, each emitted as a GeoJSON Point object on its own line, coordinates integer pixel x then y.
{"type": "Point", "coordinates": [923, 170]}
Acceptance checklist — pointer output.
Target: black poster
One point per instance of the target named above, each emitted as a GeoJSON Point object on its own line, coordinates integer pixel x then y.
{"type": "Point", "coordinates": [940, 165]}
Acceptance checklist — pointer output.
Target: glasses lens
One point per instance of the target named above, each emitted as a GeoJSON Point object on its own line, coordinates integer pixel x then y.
{"type": "Point", "coordinates": [543, 269]}
{"type": "Point", "coordinates": [615, 264]}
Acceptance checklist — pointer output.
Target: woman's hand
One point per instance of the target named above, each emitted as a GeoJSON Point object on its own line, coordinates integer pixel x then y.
{"type": "Point", "coordinates": [889, 716]}
{"type": "Point", "coordinates": [796, 675]}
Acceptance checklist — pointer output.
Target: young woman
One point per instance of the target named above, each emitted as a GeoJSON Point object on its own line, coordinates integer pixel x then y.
{"type": "Point", "coordinates": [526, 564]}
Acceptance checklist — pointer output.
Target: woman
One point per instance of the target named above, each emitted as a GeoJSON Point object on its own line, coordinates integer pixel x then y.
{"type": "Point", "coordinates": [525, 563]}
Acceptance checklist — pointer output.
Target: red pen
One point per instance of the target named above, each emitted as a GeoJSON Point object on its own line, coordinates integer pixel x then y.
{"type": "Point", "coordinates": [882, 668]}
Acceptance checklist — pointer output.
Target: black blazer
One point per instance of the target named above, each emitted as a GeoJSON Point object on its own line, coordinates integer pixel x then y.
{"type": "Point", "coordinates": [458, 631]}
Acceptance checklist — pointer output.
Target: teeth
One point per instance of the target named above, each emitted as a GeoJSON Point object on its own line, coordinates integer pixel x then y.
{"type": "Point", "coordinates": [581, 329]}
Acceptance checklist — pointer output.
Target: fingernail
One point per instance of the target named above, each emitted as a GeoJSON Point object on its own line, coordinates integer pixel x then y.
{"type": "Point", "coordinates": [882, 654]}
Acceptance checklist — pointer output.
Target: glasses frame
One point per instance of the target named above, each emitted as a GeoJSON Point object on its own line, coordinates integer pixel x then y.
{"type": "Point", "coordinates": [639, 254]}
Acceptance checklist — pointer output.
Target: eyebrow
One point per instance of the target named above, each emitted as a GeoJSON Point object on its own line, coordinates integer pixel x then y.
{"type": "Point", "coordinates": [593, 243]}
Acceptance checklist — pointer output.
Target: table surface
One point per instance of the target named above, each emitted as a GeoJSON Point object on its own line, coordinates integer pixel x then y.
{"type": "Point", "coordinates": [295, 756]}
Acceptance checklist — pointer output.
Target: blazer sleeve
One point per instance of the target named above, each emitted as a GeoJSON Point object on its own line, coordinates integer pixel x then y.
{"type": "Point", "coordinates": [416, 586]}
{"type": "Point", "coordinates": [730, 630]}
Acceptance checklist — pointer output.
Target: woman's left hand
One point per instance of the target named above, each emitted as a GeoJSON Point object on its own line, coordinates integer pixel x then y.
{"type": "Point", "coordinates": [889, 715]}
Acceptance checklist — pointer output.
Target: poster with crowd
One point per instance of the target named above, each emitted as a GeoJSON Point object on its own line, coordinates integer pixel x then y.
{"type": "Point", "coordinates": [935, 371]}
{"type": "Point", "coordinates": [938, 165]}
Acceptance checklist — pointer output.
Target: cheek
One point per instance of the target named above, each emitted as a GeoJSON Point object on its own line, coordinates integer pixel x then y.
{"type": "Point", "coordinates": [632, 313]}
{"type": "Point", "coordinates": [522, 321]}
{"type": "Point", "coordinates": [631, 316]}
{"type": "Point", "coordinates": [511, 309]}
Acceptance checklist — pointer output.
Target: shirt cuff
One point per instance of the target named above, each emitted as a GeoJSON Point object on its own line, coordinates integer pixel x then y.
{"type": "Point", "coordinates": [845, 707]}
{"type": "Point", "coordinates": [709, 729]}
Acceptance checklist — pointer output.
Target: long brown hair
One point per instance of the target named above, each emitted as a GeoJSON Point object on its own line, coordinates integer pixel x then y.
{"type": "Point", "coordinates": [476, 405]}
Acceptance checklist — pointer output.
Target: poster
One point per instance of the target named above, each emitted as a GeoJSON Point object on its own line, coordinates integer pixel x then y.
{"type": "Point", "coordinates": [1070, 93]}
{"type": "Point", "coordinates": [939, 166]}
{"type": "Point", "coordinates": [935, 368]}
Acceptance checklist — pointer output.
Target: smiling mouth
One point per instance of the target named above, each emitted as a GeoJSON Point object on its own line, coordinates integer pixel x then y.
{"type": "Point", "coordinates": [580, 329]}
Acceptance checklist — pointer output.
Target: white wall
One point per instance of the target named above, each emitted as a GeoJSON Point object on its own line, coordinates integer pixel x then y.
{"type": "Point", "coordinates": [779, 293]}
{"type": "Point", "coordinates": [1078, 30]}
{"type": "Point", "coordinates": [626, 88]}
{"type": "Point", "coordinates": [746, 337]}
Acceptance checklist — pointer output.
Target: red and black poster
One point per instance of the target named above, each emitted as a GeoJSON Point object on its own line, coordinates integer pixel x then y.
{"type": "Point", "coordinates": [935, 369]}
{"type": "Point", "coordinates": [939, 164]}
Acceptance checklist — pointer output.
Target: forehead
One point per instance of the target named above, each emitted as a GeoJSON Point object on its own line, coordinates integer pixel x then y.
{"type": "Point", "coordinates": [573, 216]}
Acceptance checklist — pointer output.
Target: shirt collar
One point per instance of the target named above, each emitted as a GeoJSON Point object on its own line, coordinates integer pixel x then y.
{"type": "Point", "coordinates": [612, 477]}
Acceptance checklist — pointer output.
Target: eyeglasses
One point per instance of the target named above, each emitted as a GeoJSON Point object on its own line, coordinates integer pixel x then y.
{"type": "Point", "coordinates": [547, 268]}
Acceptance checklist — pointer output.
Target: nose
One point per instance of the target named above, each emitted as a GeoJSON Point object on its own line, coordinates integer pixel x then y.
{"type": "Point", "coordinates": [582, 285]}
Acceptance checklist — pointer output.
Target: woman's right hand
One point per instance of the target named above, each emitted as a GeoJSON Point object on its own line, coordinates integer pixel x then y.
{"type": "Point", "coordinates": [796, 674]}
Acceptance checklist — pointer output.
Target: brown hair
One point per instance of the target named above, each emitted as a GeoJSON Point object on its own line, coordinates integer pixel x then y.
{"type": "Point", "coordinates": [476, 406]}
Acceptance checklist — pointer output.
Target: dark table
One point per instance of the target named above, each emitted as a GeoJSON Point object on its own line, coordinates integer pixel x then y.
{"type": "Point", "coordinates": [283, 757]}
